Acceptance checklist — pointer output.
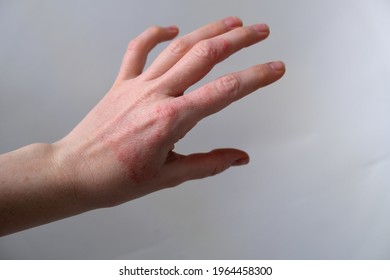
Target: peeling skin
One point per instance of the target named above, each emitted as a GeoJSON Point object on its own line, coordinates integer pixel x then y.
{"type": "Point", "coordinates": [139, 139]}
{"type": "Point", "coordinates": [139, 162]}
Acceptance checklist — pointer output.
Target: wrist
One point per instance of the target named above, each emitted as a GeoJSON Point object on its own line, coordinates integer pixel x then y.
{"type": "Point", "coordinates": [90, 170]}
{"type": "Point", "coordinates": [70, 169]}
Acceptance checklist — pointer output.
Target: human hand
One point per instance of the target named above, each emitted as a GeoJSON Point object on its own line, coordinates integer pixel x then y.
{"type": "Point", "coordinates": [123, 148]}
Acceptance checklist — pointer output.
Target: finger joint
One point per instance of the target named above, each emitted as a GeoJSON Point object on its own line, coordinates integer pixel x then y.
{"type": "Point", "coordinates": [179, 47]}
{"type": "Point", "coordinates": [213, 50]}
{"type": "Point", "coordinates": [229, 84]}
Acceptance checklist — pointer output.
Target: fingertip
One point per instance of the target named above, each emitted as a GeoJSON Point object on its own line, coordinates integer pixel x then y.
{"type": "Point", "coordinates": [172, 29]}
{"type": "Point", "coordinates": [241, 158]}
{"type": "Point", "coordinates": [261, 28]}
{"type": "Point", "coordinates": [241, 161]}
{"type": "Point", "coordinates": [233, 22]}
{"type": "Point", "coordinates": [277, 66]}
{"type": "Point", "coordinates": [234, 156]}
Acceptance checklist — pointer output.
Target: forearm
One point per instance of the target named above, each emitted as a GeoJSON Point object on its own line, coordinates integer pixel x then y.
{"type": "Point", "coordinates": [34, 189]}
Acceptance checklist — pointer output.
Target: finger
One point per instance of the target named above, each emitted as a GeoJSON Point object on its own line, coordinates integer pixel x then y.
{"type": "Point", "coordinates": [137, 50]}
{"type": "Point", "coordinates": [218, 94]}
{"type": "Point", "coordinates": [206, 54]}
{"type": "Point", "coordinates": [177, 49]}
{"type": "Point", "coordinates": [197, 166]}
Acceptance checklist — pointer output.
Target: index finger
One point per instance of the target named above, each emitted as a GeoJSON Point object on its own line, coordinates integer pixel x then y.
{"type": "Point", "coordinates": [178, 48]}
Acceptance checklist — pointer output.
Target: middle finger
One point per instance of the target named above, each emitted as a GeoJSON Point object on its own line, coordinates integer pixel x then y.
{"type": "Point", "coordinates": [207, 53]}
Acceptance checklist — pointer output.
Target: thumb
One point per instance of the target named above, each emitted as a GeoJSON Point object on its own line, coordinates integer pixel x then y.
{"type": "Point", "coordinates": [201, 165]}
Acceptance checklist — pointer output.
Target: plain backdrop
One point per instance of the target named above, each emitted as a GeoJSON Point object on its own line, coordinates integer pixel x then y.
{"type": "Point", "coordinates": [318, 185]}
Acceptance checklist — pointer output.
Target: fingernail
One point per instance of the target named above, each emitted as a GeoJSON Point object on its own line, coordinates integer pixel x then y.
{"type": "Point", "coordinates": [241, 161]}
{"type": "Point", "coordinates": [261, 28]}
{"type": "Point", "coordinates": [172, 28]}
{"type": "Point", "coordinates": [277, 66]}
{"type": "Point", "coordinates": [233, 22]}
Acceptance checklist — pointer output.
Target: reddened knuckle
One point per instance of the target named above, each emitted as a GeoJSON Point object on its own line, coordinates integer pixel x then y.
{"type": "Point", "coordinates": [162, 120]}
{"type": "Point", "coordinates": [166, 112]}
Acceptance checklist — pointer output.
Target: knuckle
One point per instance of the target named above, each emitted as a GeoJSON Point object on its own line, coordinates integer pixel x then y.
{"type": "Point", "coordinates": [263, 73]}
{"type": "Point", "coordinates": [218, 166]}
{"type": "Point", "coordinates": [216, 170]}
{"type": "Point", "coordinates": [204, 50]}
{"type": "Point", "coordinates": [134, 45]}
{"type": "Point", "coordinates": [154, 30]}
{"type": "Point", "coordinates": [166, 113]}
{"type": "Point", "coordinates": [141, 41]}
{"type": "Point", "coordinates": [229, 84]}
{"type": "Point", "coordinates": [162, 123]}
{"type": "Point", "coordinates": [249, 34]}
{"type": "Point", "coordinates": [246, 31]}
{"type": "Point", "coordinates": [178, 47]}
{"type": "Point", "coordinates": [211, 49]}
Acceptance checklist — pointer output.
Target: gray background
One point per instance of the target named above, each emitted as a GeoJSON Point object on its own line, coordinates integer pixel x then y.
{"type": "Point", "coordinates": [318, 182]}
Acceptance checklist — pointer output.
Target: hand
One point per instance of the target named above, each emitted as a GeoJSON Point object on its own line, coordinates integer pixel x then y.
{"type": "Point", "coordinates": [123, 149]}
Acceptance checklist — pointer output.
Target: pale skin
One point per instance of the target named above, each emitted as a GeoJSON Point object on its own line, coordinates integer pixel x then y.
{"type": "Point", "coordinates": [123, 149]}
